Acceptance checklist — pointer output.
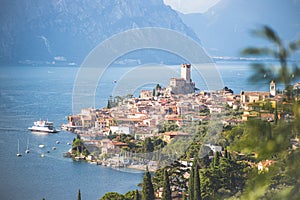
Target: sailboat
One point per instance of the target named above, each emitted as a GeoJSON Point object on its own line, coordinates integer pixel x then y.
{"type": "Point", "coordinates": [19, 154]}
{"type": "Point", "coordinates": [27, 148]}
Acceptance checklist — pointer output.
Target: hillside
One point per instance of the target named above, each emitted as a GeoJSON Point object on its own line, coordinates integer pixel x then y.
{"type": "Point", "coordinates": [67, 30]}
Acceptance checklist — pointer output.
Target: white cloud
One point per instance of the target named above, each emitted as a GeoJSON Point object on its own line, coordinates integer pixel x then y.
{"type": "Point", "coordinates": [191, 6]}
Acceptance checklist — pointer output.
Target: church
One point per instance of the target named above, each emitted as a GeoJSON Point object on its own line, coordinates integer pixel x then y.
{"type": "Point", "coordinates": [252, 97]}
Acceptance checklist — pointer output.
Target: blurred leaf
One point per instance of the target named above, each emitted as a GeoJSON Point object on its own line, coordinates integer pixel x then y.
{"type": "Point", "coordinates": [296, 71]}
{"type": "Point", "coordinates": [261, 73]}
{"type": "Point", "coordinates": [293, 46]}
{"type": "Point", "coordinates": [279, 52]}
{"type": "Point", "coordinates": [268, 33]}
{"type": "Point", "coordinates": [258, 51]}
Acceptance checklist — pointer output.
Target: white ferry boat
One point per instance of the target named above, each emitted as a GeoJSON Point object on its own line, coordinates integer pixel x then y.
{"type": "Point", "coordinates": [43, 126]}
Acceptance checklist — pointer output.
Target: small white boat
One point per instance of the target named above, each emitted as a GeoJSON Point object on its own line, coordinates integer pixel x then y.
{"type": "Point", "coordinates": [42, 155]}
{"type": "Point", "coordinates": [19, 154]}
{"type": "Point", "coordinates": [27, 148]}
{"type": "Point", "coordinates": [41, 146]}
{"type": "Point", "coordinates": [64, 127]}
{"type": "Point", "coordinates": [53, 148]}
{"type": "Point", "coordinates": [57, 142]}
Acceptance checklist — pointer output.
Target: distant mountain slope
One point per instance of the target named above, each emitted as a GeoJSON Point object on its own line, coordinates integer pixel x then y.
{"type": "Point", "coordinates": [225, 29]}
{"type": "Point", "coordinates": [66, 30]}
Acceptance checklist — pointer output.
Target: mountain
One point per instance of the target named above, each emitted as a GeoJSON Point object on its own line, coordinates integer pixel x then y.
{"type": "Point", "coordinates": [225, 29]}
{"type": "Point", "coordinates": [67, 30]}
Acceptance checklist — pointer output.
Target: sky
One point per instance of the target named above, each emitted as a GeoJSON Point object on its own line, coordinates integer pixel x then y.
{"type": "Point", "coordinates": [191, 6]}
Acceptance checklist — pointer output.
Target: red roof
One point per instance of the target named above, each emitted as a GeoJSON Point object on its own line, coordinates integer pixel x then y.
{"type": "Point", "coordinates": [115, 143]}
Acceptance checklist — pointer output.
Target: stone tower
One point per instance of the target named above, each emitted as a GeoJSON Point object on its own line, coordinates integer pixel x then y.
{"type": "Point", "coordinates": [272, 89]}
{"type": "Point", "coordinates": [186, 72]}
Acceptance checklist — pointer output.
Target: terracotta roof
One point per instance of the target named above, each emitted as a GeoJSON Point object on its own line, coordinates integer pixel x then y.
{"type": "Point", "coordinates": [119, 143]}
{"type": "Point", "coordinates": [130, 119]}
{"type": "Point", "coordinates": [256, 93]}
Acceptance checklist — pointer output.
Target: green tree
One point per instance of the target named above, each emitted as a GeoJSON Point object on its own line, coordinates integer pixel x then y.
{"type": "Point", "coordinates": [176, 172]}
{"type": "Point", "coordinates": [168, 126]}
{"type": "Point", "coordinates": [166, 195]}
{"type": "Point", "coordinates": [148, 145]}
{"type": "Point", "coordinates": [147, 189]}
{"type": "Point", "coordinates": [281, 53]}
{"type": "Point", "coordinates": [113, 196]}
{"type": "Point", "coordinates": [137, 195]}
{"type": "Point", "coordinates": [132, 195]}
{"type": "Point", "coordinates": [224, 179]}
{"type": "Point", "coordinates": [216, 160]}
{"type": "Point", "coordinates": [263, 138]}
{"type": "Point", "coordinates": [158, 87]}
{"type": "Point", "coordinates": [78, 146]}
{"type": "Point", "coordinates": [197, 191]}
{"type": "Point", "coordinates": [191, 183]}
{"type": "Point", "coordinates": [79, 195]}
{"type": "Point", "coordinates": [108, 104]}
{"type": "Point", "coordinates": [158, 143]}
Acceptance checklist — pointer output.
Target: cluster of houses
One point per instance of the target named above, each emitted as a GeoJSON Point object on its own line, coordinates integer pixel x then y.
{"type": "Point", "coordinates": [178, 103]}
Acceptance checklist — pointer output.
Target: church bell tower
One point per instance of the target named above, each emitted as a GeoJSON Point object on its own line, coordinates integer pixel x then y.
{"type": "Point", "coordinates": [272, 89]}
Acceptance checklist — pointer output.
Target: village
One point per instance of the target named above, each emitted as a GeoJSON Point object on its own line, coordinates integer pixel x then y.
{"type": "Point", "coordinates": [116, 136]}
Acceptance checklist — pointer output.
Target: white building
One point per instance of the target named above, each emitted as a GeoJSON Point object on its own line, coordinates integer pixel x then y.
{"type": "Point", "coordinates": [214, 148]}
{"type": "Point", "coordinates": [120, 130]}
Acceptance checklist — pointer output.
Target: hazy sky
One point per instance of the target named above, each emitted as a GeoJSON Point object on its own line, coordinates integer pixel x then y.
{"type": "Point", "coordinates": [224, 26]}
{"type": "Point", "coordinates": [191, 6]}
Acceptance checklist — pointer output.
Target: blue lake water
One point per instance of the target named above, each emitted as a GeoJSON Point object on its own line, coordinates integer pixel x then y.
{"type": "Point", "coordinates": [30, 93]}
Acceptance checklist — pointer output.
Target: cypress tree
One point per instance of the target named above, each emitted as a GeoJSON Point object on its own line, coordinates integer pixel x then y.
{"type": "Point", "coordinates": [147, 190]}
{"type": "Point", "coordinates": [226, 153]}
{"type": "Point", "coordinates": [197, 191]}
{"type": "Point", "coordinates": [79, 195]}
{"type": "Point", "coordinates": [216, 160]}
{"type": "Point", "coordinates": [136, 196]}
{"type": "Point", "coordinates": [148, 145]}
{"type": "Point", "coordinates": [191, 184]}
{"type": "Point", "coordinates": [108, 104]}
{"type": "Point", "coordinates": [166, 195]}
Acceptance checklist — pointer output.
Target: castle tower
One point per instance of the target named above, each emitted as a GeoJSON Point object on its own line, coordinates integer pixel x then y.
{"type": "Point", "coordinates": [186, 72]}
{"type": "Point", "coordinates": [272, 89]}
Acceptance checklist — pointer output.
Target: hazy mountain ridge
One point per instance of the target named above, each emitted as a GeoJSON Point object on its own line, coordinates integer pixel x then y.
{"type": "Point", "coordinates": [68, 29]}
{"type": "Point", "coordinates": [225, 29]}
